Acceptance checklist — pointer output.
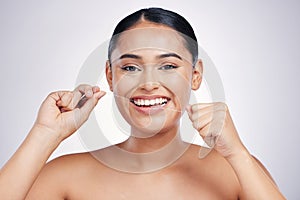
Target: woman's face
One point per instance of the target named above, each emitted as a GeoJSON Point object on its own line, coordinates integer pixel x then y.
{"type": "Point", "coordinates": [151, 76]}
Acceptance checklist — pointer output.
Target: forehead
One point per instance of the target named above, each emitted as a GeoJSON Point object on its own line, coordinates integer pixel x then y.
{"type": "Point", "coordinates": [147, 38]}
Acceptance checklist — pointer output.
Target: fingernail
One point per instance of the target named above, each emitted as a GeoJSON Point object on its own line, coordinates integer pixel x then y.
{"type": "Point", "coordinates": [96, 89]}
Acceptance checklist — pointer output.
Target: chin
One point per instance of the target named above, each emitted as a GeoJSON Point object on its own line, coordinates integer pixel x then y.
{"type": "Point", "coordinates": [152, 127]}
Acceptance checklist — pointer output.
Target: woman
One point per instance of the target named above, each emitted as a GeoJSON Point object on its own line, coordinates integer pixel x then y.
{"type": "Point", "coordinates": [152, 68]}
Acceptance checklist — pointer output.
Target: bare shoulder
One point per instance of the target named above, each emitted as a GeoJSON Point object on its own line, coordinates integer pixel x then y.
{"type": "Point", "coordinates": [62, 175]}
{"type": "Point", "coordinates": [75, 161]}
{"type": "Point", "coordinates": [211, 159]}
{"type": "Point", "coordinates": [216, 168]}
{"type": "Point", "coordinates": [72, 164]}
{"type": "Point", "coordinates": [212, 171]}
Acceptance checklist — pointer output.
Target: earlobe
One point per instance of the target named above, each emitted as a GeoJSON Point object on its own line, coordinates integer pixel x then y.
{"type": "Point", "coordinates": [109, 75]}
{"type": "Point", "coordinates": [197, 75]}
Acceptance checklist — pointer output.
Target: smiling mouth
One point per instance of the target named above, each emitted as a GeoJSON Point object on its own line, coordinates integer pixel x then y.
{"type": "Point", "coordinates": [160, 101]}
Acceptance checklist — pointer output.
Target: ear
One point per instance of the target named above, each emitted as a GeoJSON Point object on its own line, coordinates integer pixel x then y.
{"type": "Point", "coordinates": [197, 75]}
{"type": "Point", "coordinates": [108, 75]}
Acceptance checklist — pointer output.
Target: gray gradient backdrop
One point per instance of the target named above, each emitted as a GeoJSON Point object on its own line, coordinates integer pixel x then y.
{"type": "Point", "coordinates": [255, 46]}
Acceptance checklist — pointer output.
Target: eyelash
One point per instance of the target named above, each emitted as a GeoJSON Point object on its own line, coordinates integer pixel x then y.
{"type": "Point", "coordinates": [131, 68]}
{"type": "Point", "coordinates": [169, 67]}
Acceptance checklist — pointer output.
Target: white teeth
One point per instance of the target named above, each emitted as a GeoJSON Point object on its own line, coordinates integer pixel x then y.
{"type": "Point", "coordinates": [152, 102]}
{"type": "Point", "coordinates": [142, 102]}
{"type": "Point", "coordinates": [147, 102]}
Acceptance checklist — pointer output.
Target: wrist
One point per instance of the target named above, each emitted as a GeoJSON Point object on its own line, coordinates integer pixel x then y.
{"type": "Point", "coordinates": [46, 137]}
{"type": "Point", "coordinates": [241, 155]}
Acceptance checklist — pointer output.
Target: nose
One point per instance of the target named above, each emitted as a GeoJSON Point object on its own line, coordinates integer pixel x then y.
{"type": "Point", "coordinates": [149, 81]}
{"type": "Point", "coordinates": [149, 86]}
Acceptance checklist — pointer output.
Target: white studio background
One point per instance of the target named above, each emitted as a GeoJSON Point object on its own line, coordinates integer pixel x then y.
{"type": "Point", "coordinates": [255, 46]}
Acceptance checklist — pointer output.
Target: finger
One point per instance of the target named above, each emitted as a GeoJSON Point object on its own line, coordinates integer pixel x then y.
{"type": "Point", "coordinates": [82, 93]}
{"type": "Point", "coordinates": [203, 152]}
{"type": "Point", "coordinates": [216, 105]}
{"type": "Point", "coordinates": [210, 134]}
{"type": "Point", "coordinates": [88, 106]}
{"type": "Point", "coordinates": [199, 106]}
{"type": "Point", "coordinates": [51, 101]}
{"type": "Point", "coordinates": [84, 99]}
{"type": "Point", "coordinates": [201, 122]}
{"type": "Point", "coordinates": [188, 109]}
{"type": "Point", "coordinates": [100, 94]}
{"type": "Point", "coordinates": [55, 101]}
{"type": "Point", "coordinates": [65, 98]}
{"type": "Point", "coordinates": [86, 90]}
{"type": "Point", "coordinates": [200, 109]}
{"type": "Point", "coordinates": [212, 131]}
{"type": "Point", "coordinates": [52, 98]}
{"type": "Point", "coordinates": [68, 100]}
{"type": "Point", "coordinates": [95, 89]}
{"type": "Point", "coordinates": [200, 113]}
{"type": "Point", "coordinates": [215, 122]}
{"type": "Point", "coordinates": [212, 110]}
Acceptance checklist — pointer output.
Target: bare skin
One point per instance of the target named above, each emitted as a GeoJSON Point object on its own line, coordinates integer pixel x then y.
{"type": "Point", "coordinates": [81, 176]}
{"type": "Point", "coordinates": [227, 172]}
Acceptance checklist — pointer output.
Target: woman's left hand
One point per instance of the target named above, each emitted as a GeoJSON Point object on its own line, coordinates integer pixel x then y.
{"type": "Point", "coordinates": [214, 124]}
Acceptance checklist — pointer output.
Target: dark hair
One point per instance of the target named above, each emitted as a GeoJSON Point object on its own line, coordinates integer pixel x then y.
{"type": "Point", "coordinates": [159, 16]}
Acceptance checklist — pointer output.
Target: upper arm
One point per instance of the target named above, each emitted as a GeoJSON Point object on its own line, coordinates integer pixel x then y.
{"type": "Point", "coordinates": [264, 169]}
{"type": "Point", "coordinates": [50, 183]}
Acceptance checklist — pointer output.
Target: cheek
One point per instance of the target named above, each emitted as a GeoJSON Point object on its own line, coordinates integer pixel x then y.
{"type": "Point", "coordinates": [123, 88]}
{"type": "Point", "coordinates": [180, 85]}
{"type": "Point", "coordinates": [124, 85]}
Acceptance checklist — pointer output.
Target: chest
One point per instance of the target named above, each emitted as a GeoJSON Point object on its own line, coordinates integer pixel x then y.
{"type": "Point", "coordinates": [175, 186]}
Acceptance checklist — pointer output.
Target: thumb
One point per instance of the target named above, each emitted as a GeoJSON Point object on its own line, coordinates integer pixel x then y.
{"type": "Point", "coordinates": [89, 105]}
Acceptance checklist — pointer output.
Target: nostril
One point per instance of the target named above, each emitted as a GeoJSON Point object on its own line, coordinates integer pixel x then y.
{"type": "Point", "coordinates": [150, 85]}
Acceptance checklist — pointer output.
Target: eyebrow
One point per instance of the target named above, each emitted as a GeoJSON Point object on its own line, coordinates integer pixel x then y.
{"type": "Point", "coordinates": [127, 55]}
{"type": "Point", "coordinates": [166, 55]}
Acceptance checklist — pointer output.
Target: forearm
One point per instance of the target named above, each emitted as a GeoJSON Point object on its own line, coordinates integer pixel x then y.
{"type": "Point", "coordinates": [254, 181]}
{"type": "Point", "coordinates": [20, 172]}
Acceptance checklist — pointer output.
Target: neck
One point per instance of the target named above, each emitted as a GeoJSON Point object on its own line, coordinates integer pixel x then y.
{"type": "Point", "coordinates": [140, 155]}
{"type": "Point", "coordinates": [150, 144]}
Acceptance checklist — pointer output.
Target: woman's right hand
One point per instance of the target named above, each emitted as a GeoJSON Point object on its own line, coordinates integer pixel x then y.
{"type": "Point", "coordinates": [60, 115]}
{"type": "Point", "coordinates": [63, 112]}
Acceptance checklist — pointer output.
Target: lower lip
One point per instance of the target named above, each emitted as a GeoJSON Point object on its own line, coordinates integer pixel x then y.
{"type": "Point", "coordinates": [151, 110]}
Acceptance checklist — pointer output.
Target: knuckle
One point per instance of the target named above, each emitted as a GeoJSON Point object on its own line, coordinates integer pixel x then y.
{"type": "Point", "coordinates": [197, 125]}
{"type": "Point", "coordinates": [82, 85]}
{"type": "Point", "coordinates": [70, 95]}
{"type": "Point", "coordinates": [52, 93]}
{"type": "Point", "coordinates": [221, 106]}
